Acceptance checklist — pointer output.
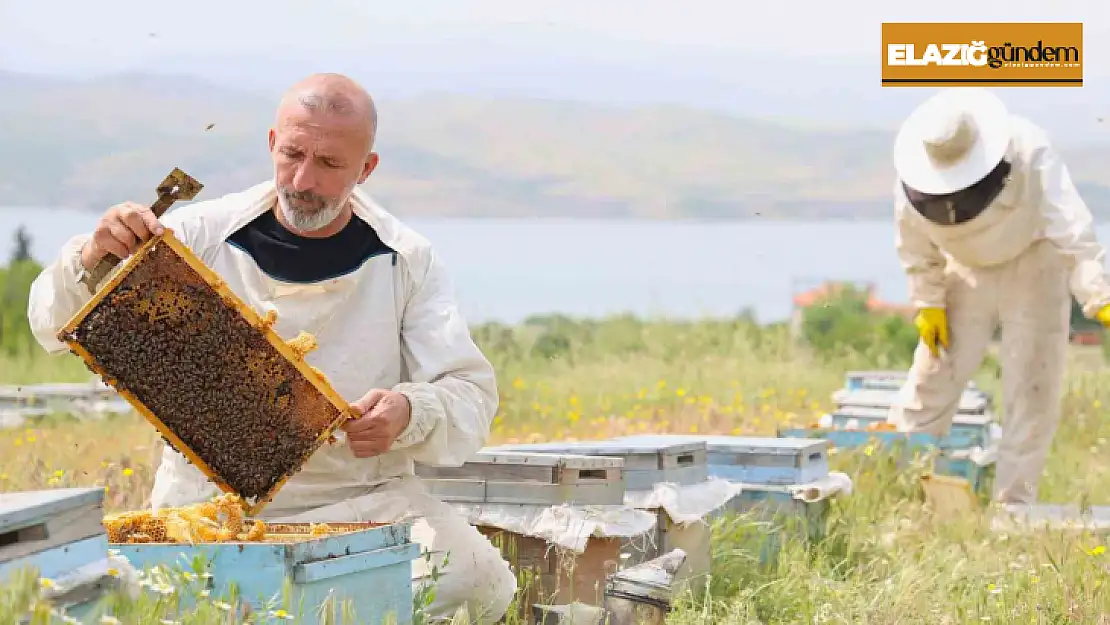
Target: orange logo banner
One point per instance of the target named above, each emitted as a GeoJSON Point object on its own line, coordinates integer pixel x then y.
{"type": "Point", "coordinates": [1025, 54]}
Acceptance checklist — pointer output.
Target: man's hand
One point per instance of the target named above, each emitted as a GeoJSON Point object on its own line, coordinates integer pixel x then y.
{"type": "Point", "coordinates": [932, 326]}
{"type": "Point", "coordinates": [1103, 316]}
{"type": "Point", "coordinates": [120, 232]}
{"type": "Point", "coordinates": [385, 414]}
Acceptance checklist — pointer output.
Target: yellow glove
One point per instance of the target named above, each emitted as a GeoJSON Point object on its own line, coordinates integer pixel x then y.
{"type": "Point", "coordinates": [1103, 316]}
{"type": "Point", "coordinates": [932, 325]}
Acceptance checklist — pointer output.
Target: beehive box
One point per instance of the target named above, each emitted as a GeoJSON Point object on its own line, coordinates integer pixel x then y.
{"type": "Point", "coordinates": [528, 478]}
{"type": "Point", "coordinates": [971, 402]}
{"type": "Point", "coordinates": [215, 379]}
{"type": "Point", "coordinates": [790, 518]}
{"type": "Point", "coordinates": [973, 427]}
{"type": "Point", "coordinates": [757, 460]}
{"type": "Point", "coordinates": [361, 567]}
{"type": "Point", "coordinates": [554, 576]}
{"type": "Point", "coordinates": [56, 532]}
{"type": "Point", "coordinates": [646, 463]}
{"type": "Point", "coordinates": [952, 450]}
{"type": "Point", "coordinates": [884, 380]}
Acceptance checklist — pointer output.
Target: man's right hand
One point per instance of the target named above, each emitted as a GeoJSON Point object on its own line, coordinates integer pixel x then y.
{"type": "Point", "coordinates": [120, 232]}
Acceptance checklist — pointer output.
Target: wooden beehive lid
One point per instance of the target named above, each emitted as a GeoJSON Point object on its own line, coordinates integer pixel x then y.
{"type": "Point", "coordinates": [34, 521]}
{"type": "Point", "coordinates": [24, 508]}
{"type": "Point", "coordinates": [616, 448]}
{"type": "Point", "coordinates": [971, 401]}
{"type": "Point", "coordinates": [569, 461]}
{"type": "Point", "coordinates": [719, 443]}
{"type": "Point", "coordinates": [873, 413]}
{"type": "Point", "coordinates": [529, 467]}
{"type": "Point", "coordinates": [893, 378]}
{"type": "Point", "coordinates": [246, 410]}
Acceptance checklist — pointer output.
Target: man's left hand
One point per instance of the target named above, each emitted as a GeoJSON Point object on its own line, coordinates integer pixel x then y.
{"type": "Point", "coordinates": [385, 414]}
{"type": "Point", "coordinates": [1103, 316]}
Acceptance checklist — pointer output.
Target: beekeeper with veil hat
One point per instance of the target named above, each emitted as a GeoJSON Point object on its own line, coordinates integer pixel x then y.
{"type": "Point", "coordinates": [991, 233]}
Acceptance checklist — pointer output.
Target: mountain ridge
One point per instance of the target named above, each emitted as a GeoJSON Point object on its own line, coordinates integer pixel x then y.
{"type": "Point", "coordinates": [90, 143]}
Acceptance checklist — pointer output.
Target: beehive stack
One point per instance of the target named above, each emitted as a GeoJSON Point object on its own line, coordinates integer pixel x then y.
{"type": "Point", "coordinates": [211, 374]}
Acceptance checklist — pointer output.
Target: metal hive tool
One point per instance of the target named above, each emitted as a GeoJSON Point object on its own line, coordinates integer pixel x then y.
{"type": "Point", "coordinates": [208, 372]}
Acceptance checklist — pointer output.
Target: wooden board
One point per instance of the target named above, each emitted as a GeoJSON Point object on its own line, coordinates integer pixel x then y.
{"type": "Point", "coordinates": [36, 521]}
{"type": "Point", "coordinates": [1054, 517]}
{"type": "Point", "coordinates": [173, 340]}
{"type": "Point", "coordinates": [693, 538]}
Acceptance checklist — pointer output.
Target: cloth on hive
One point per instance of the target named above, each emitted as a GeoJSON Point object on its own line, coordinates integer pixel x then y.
{"type": "Point", "coordinates": [567, 526]}
{"type": "Point", "coordinates": [686, 504]}
{"type": "Point", "coordinates": [113, 568]}
{"type": "Point", "coordinates": [835, 483]}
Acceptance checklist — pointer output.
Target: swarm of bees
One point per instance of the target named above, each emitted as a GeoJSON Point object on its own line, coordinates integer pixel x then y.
{"type": "Point", "coordinates": [216, 521]}
{"type": "Point", "coordinates": [167, 336]}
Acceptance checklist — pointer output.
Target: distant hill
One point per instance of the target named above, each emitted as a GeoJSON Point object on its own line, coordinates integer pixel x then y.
{"type": "Point", "coordinates": [93, 143]}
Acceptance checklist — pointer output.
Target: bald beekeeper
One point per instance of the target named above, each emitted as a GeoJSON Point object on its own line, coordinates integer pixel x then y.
{"type": "Point", "coordinates": [992, 234]}
{"type": "Point", "coordinates": [314, 248]}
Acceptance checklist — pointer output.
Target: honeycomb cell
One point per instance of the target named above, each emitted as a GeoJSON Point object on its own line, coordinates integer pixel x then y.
{"type": "Point", "coordinates": [198, 365]}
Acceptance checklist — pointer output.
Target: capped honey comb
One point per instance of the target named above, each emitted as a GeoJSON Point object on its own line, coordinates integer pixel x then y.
{"type": "Point", "coordinates": [220, 385]}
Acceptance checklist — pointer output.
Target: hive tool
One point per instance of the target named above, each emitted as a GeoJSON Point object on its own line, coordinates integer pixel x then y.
{"type": "Point", "coordinates": [178, 185]}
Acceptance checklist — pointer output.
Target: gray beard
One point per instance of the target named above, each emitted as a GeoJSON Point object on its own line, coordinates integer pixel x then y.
{"type": "Point", "coordinates": [308, 222]}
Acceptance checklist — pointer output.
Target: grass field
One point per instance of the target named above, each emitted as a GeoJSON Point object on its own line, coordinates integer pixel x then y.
{"type": "Point", "coordinates": [885, 559]}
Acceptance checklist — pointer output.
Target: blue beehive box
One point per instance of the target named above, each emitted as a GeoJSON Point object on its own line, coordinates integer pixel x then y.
{"type": "Point", "coordinates": [780, 517]}
{"type": "Point", "coordinates": [973, 427]}
{"type": "Point", "coordinates": [756, 460]}
{"type": "Point", "coordinates": [952, 459]}
{"type": "Point", "coordinates": [646, 463]}
{"type": "Point", "coordinates": [56, 532]}
{"type": "Point", "coordinates": [365, 568]}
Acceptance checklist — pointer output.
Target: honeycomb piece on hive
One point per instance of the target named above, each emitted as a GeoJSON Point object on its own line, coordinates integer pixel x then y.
{"type": "Point", "coordinates": [221, 387]}
{"type": "Point", "coordinates": [302, 344]}
{"type": "Point", "coordinates": [257, 531]}
{"type": "Point", "coordinates": [219, 520]}
{"type": "Point", "coordinates": [269, 319]}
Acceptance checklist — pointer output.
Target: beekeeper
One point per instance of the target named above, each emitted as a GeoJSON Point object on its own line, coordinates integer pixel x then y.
{"type": "Point", "coordinates": [991, 233]}
{"type": "Point", "coordinates": [314, 248]}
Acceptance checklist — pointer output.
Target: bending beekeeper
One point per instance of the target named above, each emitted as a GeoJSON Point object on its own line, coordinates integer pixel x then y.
{"type": "Point", "coordinates": [991, 233]}
{"type": "Point", "coordinates": [313, 247]}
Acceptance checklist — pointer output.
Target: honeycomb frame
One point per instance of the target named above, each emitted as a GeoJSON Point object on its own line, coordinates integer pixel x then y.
{"type": "Point", "coordinates": [69, 335]}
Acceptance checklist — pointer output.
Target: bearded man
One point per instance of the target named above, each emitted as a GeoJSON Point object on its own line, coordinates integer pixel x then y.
{"type": "Point", "coordinates": [312, 247]}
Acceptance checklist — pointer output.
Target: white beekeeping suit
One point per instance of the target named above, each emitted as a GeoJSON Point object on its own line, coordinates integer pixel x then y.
{"type": "Point", "coordinates": [393, 323]}
{"type": "Point", "coordinates": [991, 233]}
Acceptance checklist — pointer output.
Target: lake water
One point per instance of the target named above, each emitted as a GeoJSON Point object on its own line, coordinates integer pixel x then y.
{"type": "Point", "coordinates": [506, 270]}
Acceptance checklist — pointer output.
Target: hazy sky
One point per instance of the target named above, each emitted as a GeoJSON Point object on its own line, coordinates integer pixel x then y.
{"type": "Point", "coordinates": [111, 34]}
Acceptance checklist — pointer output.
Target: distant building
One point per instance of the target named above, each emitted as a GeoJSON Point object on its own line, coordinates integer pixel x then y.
{"type": "Point", "coordinates": [830, 288]}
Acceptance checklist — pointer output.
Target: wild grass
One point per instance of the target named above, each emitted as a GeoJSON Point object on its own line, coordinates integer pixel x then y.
{"type": "Point", "coordinates": [884, 559]}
